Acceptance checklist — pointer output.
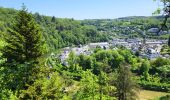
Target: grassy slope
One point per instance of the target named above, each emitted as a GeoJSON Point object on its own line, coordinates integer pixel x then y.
{"type": "Point", "coordinates": [149, 95]}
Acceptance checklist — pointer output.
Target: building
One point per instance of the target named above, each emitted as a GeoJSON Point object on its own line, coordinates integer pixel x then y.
{"type": "Point", "coordinates": [104, 45]}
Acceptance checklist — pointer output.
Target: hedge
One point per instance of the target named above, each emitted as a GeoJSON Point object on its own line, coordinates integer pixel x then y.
{"type": "Point", "coordinates": [163, 87]}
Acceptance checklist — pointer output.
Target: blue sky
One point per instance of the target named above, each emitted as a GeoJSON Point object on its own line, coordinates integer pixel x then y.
{"type": "Point", "coordinates": [86, 9]}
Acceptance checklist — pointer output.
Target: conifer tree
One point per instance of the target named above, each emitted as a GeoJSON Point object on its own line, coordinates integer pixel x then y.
{"type": "Point", "coordinates": [24, 39]}
{"type": "Point", "coordinates": [23, 50]}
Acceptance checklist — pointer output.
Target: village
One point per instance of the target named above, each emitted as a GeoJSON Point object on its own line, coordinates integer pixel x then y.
{"type": "Point", "coordinates": [147, 48]}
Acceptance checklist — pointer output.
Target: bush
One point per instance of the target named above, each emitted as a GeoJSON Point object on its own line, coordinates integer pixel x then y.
{"type": "Point", "coordinates": [163, 87]}
{"type": "Point", "coordinates": [167, 97]}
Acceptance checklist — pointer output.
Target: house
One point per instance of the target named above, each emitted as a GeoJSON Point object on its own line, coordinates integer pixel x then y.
{"type": "Point", "coordinates": [153, 30]}
{"type": "Point", "coordinates": [153, 56]}
{"type": "Point", "coordinates": [151, 51]}
{"type": "Point", "coordinates": [104, 45]}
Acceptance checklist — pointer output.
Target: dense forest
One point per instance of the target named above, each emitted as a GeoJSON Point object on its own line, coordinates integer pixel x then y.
{"type": "Point", "coordinates": [58, 32]}
{"type": "Point", "coordinates": [28, 71]}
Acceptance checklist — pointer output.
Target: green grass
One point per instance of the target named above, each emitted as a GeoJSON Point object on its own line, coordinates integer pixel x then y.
{"type": "Point", "coordinates": [150, 95]}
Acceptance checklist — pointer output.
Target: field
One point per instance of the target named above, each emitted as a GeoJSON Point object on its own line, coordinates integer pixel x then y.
{"type": "Point", "coordinates": [149, 95]}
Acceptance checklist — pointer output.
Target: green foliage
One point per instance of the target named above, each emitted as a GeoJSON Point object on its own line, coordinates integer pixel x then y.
{"type": "Point", "coordinates": [169, 41]}
{"type": "Point", "coordinates": [155, 86]}
{"type": "Point", "coordinates": [24, 75]}
{"type": "Point", "coordinates": [103, 83]}
{"type": "Point", "coordinates": [113, 58]}
{"type": "Point", "coordinates": [7, 95]}
{"type": "Point", "coordinates": [165, 49]}
{"type": "Point", "coordinates": [86, 62]}
{"type": "Point", "coordinates": [127, 27]}
{"type": "Point", "coordinates": [88, 89]}
{"type": "Point", "coordinates": [57, 32]}
{"type": "Point", "coordinates": [94, 87]}
{"type": "Point", "coordinates": [45, 88]}
{"type": "Point", "coordinates": [23, 51]}
{"type": "Point", "coordinates": [2, 60]}
{"type": "Point", "coordinates": [145, 69]}
{"type": "Point", "coordinates": [53, 19]}
{"type": "Point", "coordinates": [167, 97]}
{"type": "Point", "coordinates": [72, 62]}
{"type": "Point", "coordinates": [24, 39]}
{"type": "Point", "coordinates": [165, 72]}
{"type": "Point", "coordinates": [126, 87]}
{"type": "Point", "coordinates": [158, 11]}
{"type": "Point", "coordinates": [129, 58]}
{"type": "Point", "coordinates": [160, 62]}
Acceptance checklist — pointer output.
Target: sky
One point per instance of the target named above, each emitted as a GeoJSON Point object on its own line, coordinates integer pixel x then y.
{"type": "Point", "coordinates": [86, 9]}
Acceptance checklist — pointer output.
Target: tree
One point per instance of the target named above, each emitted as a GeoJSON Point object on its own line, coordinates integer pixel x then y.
{"type": "Point", "coordinates": [24, 39]}
{"type": "Point", "coordinates": [23, 51]}
{"type": "Point", "coordinates": [72, 61]}
{"type": "Point", "coordinates": [160, 62]}
{"type": "Point", "coordinates": [53, 19]}
{"type": "Point", "coordinates": [165, 70]}
{"type": "Point", "coordinates": [145, 69]}
{"type": "Point", "coordinates": [38, 18]}
{"type": "Point", "coordinates": [88, 87]}
{"type": "Point", "coordinates": [126, 87]}
{"type": "Point", "coordinates": [166, 13]}
{"type": "Point", "coordinates": [102, 83]}
{"type": "Point", "coordinates": [85, 62]}
{"type": "Point", "coordinates": [169, 41]}
{"type": "Point", "coordinates": [45, 89]}
{"type": "Point", "coordinates": [137, 53]}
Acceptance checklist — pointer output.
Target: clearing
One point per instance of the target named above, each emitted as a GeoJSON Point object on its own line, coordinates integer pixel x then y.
{"type": "Point", "coordinates": [149, 95]}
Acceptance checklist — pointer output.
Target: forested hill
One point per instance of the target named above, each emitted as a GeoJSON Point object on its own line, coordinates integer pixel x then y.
{"type": "Point", "coordinates": [57, 32]}
{"type": "Point", "coordinates": [60, 32]}
{"type": "Point", "coordinates": [27, 72]}
{"type": "Point", "coordinates": [130, 27]}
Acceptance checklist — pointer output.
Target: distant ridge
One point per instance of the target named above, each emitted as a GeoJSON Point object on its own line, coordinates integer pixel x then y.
{"type": "Point", "coordinates": [139, 17]}
{"type": "Point", "coordinates": [127, 18]}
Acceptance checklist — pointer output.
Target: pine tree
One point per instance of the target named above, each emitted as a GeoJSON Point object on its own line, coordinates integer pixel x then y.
{"type": "Point", "coordinates": [23, 50]}
{"type": "Point", "coordinates": [24, 39]}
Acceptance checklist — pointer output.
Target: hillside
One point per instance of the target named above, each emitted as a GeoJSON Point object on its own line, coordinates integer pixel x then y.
{"type": "Point", "coordinates": [43, 57]}
{"type": "Point", "coordinates": [57, 32]}
{"type": "Point", "coordinates": [130, 27]}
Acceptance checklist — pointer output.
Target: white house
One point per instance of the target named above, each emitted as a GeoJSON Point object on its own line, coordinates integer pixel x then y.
{"type": "Point", "coordinates": [100, 44]}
